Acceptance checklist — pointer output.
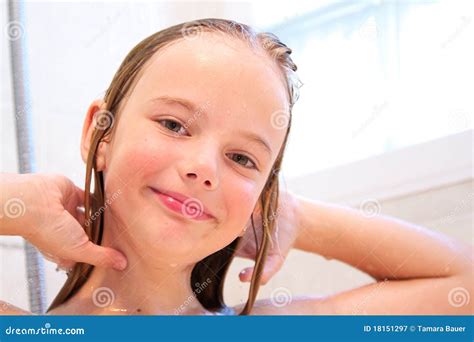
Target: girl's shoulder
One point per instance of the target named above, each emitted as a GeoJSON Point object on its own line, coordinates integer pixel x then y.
{"type": "Point", "coordinates": [288, 305]}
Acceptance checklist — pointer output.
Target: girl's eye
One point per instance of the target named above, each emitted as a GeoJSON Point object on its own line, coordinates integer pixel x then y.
{"type": "Point", "coordinates": [237, 157]}
{"type": "Point", "coordinates": [172, 125]}
{"type": "Point", "coordinates": [243, 160]}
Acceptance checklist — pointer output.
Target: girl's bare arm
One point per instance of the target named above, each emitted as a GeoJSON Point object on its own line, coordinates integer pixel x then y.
{"type": "Point", "coordinates": [417, 270]}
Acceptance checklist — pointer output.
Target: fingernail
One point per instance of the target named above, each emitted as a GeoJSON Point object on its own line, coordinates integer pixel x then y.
{"type": "Point", "coordinates": [245, 275]}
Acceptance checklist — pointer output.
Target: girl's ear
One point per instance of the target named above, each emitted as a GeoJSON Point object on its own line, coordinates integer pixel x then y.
{"type": "Point", "coordinates": [90, 124]}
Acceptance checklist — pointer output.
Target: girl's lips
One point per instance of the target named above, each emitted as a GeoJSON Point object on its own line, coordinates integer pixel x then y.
{"type": "Point", "coordinates": [193, 208]}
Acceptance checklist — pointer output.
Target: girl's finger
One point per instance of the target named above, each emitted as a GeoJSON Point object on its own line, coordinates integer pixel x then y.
{"type": "Point", "coordinates": [49, 256]}
{"type": "Point", "coordinates": [101, 256]}
{"type": "Point", "coordinates": [272, 266]}
{"type": "Point", "coordinates": [74, 198]}
{"type": "Point", "coordinates": [80, 216]}
{"type": "Point", "coordinates": [66, 264]}
{"type": "Point", "coordinates": [79, 195]}
{"type": "Point", "coordinates": [246, 274]}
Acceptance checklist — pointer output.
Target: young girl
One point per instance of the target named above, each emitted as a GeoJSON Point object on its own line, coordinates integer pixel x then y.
{"type": "Point", "coordinates": [185, 151]}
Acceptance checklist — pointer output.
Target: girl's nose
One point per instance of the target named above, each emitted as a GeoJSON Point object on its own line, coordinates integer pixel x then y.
{"type": "Point", "coordinates": [207, 182]}
{"type": "Point", "coordinates": [202, 169]}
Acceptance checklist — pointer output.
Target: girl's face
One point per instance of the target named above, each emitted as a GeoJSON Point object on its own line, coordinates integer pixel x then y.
{"type": "Point", "coordinates": [200, 121]}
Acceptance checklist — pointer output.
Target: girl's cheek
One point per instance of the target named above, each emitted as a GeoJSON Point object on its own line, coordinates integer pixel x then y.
{"type": "Point", "coordinates": [242, 202]}
{"type": "Point", "coordinates": [147, 156]}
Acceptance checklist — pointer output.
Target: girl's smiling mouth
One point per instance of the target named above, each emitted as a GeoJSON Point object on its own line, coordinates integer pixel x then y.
{"type": "Point", "coordinates": [186, 206]}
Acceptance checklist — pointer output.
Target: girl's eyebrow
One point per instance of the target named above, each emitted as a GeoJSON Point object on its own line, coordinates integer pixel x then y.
{"type": "Point", "coordinates": [191, 107]}
{"type": "Point", "coordinates": [255, 137]}
{"type": "Point", "coordinates": [188, 105]}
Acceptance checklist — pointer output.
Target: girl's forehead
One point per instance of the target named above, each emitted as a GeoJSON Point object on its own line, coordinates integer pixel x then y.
{"type": "Point", "coordinates": [214, 66]}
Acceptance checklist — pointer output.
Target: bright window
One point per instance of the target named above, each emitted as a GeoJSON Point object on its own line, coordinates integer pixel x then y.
{"type": "Point", "coordinates": [377, 76]}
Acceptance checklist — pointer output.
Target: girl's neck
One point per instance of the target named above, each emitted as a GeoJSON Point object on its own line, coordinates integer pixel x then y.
{"type": "Point", "coordinates": [150, 285]}
{"type": "Point", "coordinates": [110, 292]}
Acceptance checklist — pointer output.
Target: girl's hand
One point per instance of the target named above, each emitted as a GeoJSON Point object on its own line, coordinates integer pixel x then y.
{"type": "Point", "coordinates": [283, 237]}
{"type": "Point", "coordinates": [54, 223]}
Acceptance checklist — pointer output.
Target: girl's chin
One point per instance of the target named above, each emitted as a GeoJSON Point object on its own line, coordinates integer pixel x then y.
{"type": "Point", "coordinates": [168, 240]}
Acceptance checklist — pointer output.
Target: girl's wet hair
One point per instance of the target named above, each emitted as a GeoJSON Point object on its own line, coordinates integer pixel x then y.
{"type": "Point", "coordinates": [212, 269]}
